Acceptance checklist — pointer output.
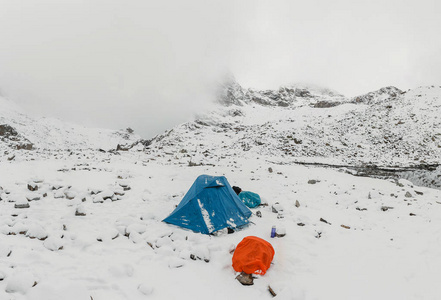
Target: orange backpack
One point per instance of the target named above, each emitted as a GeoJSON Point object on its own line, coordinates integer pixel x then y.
{"type": "Point", "coordinates": [253, 255]}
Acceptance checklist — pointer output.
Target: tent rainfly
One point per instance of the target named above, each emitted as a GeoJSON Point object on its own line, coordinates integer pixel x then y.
{"type": "Point", "coordinates": [210, 205]}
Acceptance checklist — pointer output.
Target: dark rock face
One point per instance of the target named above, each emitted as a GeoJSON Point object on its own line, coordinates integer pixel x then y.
{"type": "Point", "coordinates": [127, 147]}
{"type": "Point", "coordinates": [326, 104]}
{"type": "Point", "coordinates": [7, 131]}
{"type": "Point", "coordinates": [231, 93]}
{"type": "Point", "coordinates": [14, 140]}
{"type": "Point", "coordinates": [369, 98]}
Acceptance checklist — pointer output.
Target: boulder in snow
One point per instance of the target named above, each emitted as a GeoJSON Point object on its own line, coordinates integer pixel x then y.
{"type": "Point", "coordinates": [80, 211]}
{"type": "Point", "coordinates": [32, 186]}
{"type": "Point", "coordinates": [20, 282]}
{"type": "Point", "coordinates": [53, 243]}
{"type": "Point", "coordinates": [21, 202]}
{"type": "Point", "coordinates": [277, 207]}
{"type": "Point", "coordinates": [36, 231]}
{"type": "Point", "coordinates": [145, 289]}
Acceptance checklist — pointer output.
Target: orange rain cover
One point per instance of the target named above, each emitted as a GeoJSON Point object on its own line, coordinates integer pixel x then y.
{"type": "Point", "coordinates": [253, 255]}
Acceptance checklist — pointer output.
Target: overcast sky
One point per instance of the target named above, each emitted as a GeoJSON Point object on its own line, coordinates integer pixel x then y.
{"type": "Point", "coordinates": [152, 64]}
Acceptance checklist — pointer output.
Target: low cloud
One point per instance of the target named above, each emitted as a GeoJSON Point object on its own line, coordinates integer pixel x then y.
{"type": "Point", "coordinates": [153, 64]}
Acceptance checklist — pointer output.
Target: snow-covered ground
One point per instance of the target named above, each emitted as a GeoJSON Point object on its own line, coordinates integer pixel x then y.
{"type": "Point", "coordinates": [78, 221]}
{"type": "Point", "coordinates": [120, 249]}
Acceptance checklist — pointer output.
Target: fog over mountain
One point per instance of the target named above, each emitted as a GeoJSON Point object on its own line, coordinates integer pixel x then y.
{"type": "Point", "coordinates": [151, 65]}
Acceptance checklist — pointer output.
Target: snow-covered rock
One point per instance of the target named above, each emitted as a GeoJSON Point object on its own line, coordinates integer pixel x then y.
{"type": "Point", "coordinates": [20, 282]}
{"type": "Point", "coordinates": [54, 243]}
{"type": "Point", "coordinates": [36, 231]}
{"type": "Point", "coordinates": [145, 288]}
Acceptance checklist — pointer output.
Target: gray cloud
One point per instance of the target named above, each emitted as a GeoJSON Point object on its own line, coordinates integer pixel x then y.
{"type": "Point", "coordinates": [152, 64]}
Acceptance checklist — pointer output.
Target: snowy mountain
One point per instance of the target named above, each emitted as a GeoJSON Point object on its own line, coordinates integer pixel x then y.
{"type": "Point", "coordinates": [387, 127]}
{"type": "Point", "coordinates": [19, 130]}
{"type": "Point", "coordinates": [306, 124]}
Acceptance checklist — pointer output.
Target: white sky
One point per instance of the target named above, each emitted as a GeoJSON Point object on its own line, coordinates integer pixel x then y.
{"type": "Point", "coordinates": [152, 64]}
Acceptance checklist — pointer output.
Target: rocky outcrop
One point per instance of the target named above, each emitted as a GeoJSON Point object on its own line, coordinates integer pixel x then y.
{"type": "Point", "coordinates": [231, 93]}
{"type": "Point", "coordinates": [380, 95]}
{"type": "Point", "coordinates": [382, 128]}
{"type": "Point", "coordinates": [7, 131]}
{"type": "Point", "coordinates": [13, 139]}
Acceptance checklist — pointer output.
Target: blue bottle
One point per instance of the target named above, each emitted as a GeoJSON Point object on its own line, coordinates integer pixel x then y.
{"type": "Point", "coordinates": [273, 231]}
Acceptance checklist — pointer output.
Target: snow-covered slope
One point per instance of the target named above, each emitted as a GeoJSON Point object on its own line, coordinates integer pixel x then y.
{"type": "Point", "coordinates": [298, 123]}
{"type": "Point", "coordinates": [86, 224]}
{"type": "Point", "coordinates": [92, 229]}
{"type": "Point", "coordinates": [387, 127]}
{"type": "Point", "coordinates": [48, 133]}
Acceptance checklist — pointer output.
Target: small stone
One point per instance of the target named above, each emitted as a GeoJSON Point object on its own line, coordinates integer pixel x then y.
{"type": "Point", "coordinates": [31, 197]}
{"type": "Point", "coordinates": [277, 207]}
{"type": "Point", "coordinates": [95, 191]}
{"type": "Point", "coordinates": [70, 195]}
{"type": "Point", "coordinates": [58, 194]}
{"type": "Point", "coordinates": [21, 202]}
{"type": "Point", "coordinates": [419, 193]}
{"type": "Point", "coordinates": [245, 279]}
{"type": "Point", "coordinates": [23, 205]}
{"type": "Point", "coordinates": [97, 199]}
{"type": "Point", "coordinates": [280, 232]}
{"type": "Point", "coordinates": [324, 221]}
{"type": "Point", "coordinates": [80, 211]}
{"type": "Point", "coordinates": [32, 187]}
{"type": "Point", "coordinates": [119, 193]}
{"type": "Point", "coordinates": [345, 226]}
{"type": "Point", "coordinates": [56, 187]}
{"type": "Point", "coordinates": [259, 214]}
{"type": "Point", "coordinates": [272, 291]}
{"type": "Point", "coordinates": [176, 263]}
{"type": "Point", "coordinates": [408, 195]}
{"type": "Point", "coordinates": [313, 181]}
{"type": "Point", "coordinates": [2, 276]}
{"type": "Point", "coordinates": [300, 224]}
{"type": "Point", "coordinates": [107, 194]}
{"type": "Point", "coordinates": [270, 169]}
{"type": "Point", "coordinates": [412, 214]}
{"type": "Point", "coordinates": [297, 203]}
{"type": "Point", "coordinates": [386, 208]}
{"type": "Point", "coordinates": [38, 180]}
{"type": "Point", "coordinates": [123, 183]}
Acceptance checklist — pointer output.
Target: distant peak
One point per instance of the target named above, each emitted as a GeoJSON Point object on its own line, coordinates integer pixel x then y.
{"type": "Point", "coordinates": [378, 95]}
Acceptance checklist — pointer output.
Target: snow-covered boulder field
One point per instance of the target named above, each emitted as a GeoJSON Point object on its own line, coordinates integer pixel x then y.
{"type": "Point", "coordinates": [346, 237]}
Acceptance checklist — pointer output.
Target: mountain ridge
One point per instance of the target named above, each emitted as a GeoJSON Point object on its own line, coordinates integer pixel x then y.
{"type": "Point", "coordinates": [386, 127]}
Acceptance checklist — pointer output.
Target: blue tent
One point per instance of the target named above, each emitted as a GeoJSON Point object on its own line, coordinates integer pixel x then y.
{"type": "Point", "coordinates": [210, 205]}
